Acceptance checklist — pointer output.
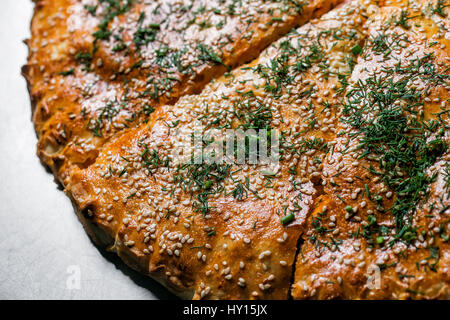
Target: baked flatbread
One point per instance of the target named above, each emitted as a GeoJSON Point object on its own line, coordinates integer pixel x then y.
{"type": "Point", "coordinates": [97, 67]}
{"type": "Point", "coordinates": [356, 205]}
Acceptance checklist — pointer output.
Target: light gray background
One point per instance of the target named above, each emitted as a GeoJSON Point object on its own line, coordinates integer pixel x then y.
{"type": "Point", "coordinates": [41, 240]}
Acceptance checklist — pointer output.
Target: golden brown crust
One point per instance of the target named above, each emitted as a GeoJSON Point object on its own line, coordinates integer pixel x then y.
{"type": "Point", "coordinates": [250, 253]}
{"type": "Point", "coordinates": [230, 231]}
{"type": "Point", "coordinates": [351, 267]}
{"type": "Point", "coordinates": [80, 75]}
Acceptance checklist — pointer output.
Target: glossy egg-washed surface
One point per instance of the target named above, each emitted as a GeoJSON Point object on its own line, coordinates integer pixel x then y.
{"type": "Point", "coordinates": [358, 205]}
{"type": "Point", "coordinates": [97, 67]}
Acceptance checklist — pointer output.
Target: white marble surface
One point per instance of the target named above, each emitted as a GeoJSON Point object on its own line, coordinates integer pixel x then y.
{"type": "Point", "coordinates": [44, 250]}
